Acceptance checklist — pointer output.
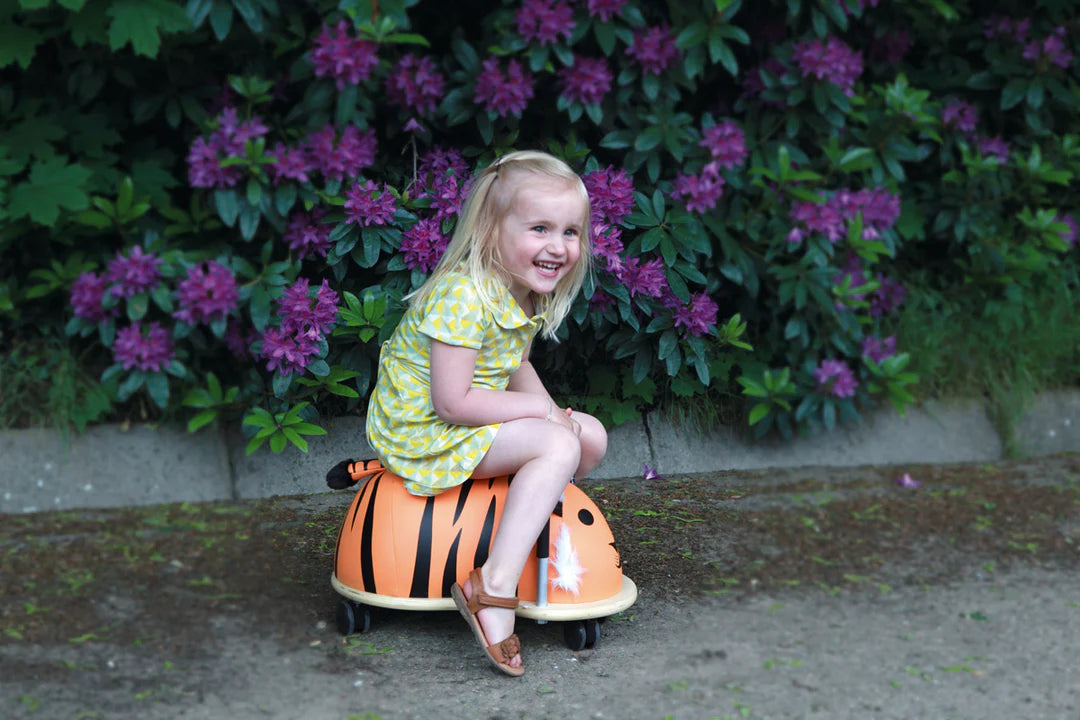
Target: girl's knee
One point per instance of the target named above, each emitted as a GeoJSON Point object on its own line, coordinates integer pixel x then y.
{"type": "Point", "coordinates": [593, 436]}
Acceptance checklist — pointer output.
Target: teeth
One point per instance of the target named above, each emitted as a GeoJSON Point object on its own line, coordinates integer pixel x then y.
{"type": "Point", "coordinates": [547, 266]}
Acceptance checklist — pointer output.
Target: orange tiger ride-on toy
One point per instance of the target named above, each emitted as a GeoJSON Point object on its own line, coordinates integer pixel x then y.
{"type": "Point", "coordinates": [402, 551]}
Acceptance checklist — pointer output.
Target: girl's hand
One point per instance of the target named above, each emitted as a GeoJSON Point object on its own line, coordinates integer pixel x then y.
{"type": "Point", "coordinates": [565, 418]}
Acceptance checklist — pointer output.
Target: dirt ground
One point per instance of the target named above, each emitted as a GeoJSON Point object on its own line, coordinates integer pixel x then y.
{"type": "Point", "coordinates": [811, 593]}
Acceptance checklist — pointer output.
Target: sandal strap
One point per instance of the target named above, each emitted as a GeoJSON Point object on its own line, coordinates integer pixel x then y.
{"type": "Point", "coordinates": [481, 599]}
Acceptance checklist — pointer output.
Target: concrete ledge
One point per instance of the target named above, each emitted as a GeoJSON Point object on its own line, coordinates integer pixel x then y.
{"type": "Point", "coordinates": [110, 466]}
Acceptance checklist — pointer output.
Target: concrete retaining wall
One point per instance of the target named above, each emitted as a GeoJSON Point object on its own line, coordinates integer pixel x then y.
{"type": "Point", "coordinates": [111, 466]}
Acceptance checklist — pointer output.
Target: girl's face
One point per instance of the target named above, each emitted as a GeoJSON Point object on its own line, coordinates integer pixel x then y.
{"type": "Point", "coordinates": [540, 236]}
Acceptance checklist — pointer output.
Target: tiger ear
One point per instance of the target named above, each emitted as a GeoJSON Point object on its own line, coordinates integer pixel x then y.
{"type": "Point", "coordinates": [339, 476]}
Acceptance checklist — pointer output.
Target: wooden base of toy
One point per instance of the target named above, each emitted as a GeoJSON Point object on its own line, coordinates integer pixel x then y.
{"type": "Point", "coordinates": [555, 612]}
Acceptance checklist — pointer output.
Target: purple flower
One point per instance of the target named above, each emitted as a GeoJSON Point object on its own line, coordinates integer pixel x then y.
{"type": "Point", "coordinates": [601, 302]}
{"type": "Point", "coordinates": [415, 84]}
{"type": "Point", "coordinates": [292, 164]}
{"type": "Point", "coordinates": [1052, 48]}
{"type": "Point", "coordinates": [367, 205]}
{"type": "Point", "coordinates": [611, 194]}
{"type": "Point", "coordinates": [1069, 236]}
{"type": "Point", "coordinates": [649, 473]}
{"type": "Point", "coordinates": [148, 351]}
{"type": "Point", "coordinates": [208, 293]}
{"type": "Point", "coordinates": [286, 353]}
{"type": "Point", "coordinates": [605, 9]}
{"type": "Point", "coordinates": [753, 85]}
{"type": "Point", "coordinates": [823, 218]}
{"type": "Point", "coordinates": [607, 244]}
{"type": "Point", "coordinates": [960, 114]}
{"type": "Point", "coordinates": [1004, 27]}
{"type": "Point", "coordinates": [702, 191]}
{"type": "Point", "coordinates": [544, 21]}
{"type": "Point", "coordinates": [304, 315]}
{"type": "Point", "coordinates": [654, 49]}
{"type": "Point", "coordinates": [204, 166]}
{"type": "Point", "coordinates": [994, 147]}
{"type": "Point", "coordinates": [137, 273]}
{"type": "Point", "coordinates": [503, 93]}
{"type": "Point", "coordinates": [698, 316]}
{"type": "Point", "coordinates": [447, 197]}
{"type": "Point", "coordinates": [726, 144]}
{"type": "Point", "coordinates": [344, 158]}
{"type": "Point", "coordinates": [905, 481]}
{"type": "Point", "coordinates": [853, 274]}
{"type": "Point", "coordinates": [877, 349]}
{"type": "Point", "coordinates": [586, 81]}
{"type": "Point", "coordinates": [648, 279]}
{"type": "Point", "coordinates": [888, 296]}
{"type": "Point", "coordinates": [436, 164]}
{"type": "Point", "coordinates": [307, 234]}
{"type": "Point", "coordinates": [346, 59]}
{"type": "Point", "coordinates": [423, 244]}
{"type": "Point", "coordinates": [87, 292]}
{"type": "Point", "coordinates": [831, 61]}
{"type": "Point", "coordinates": [835, 377]}
{"type": "Point", "coordinates": [880, 208]}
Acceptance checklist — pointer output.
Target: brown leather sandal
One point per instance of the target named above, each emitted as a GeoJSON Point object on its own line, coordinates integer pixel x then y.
{"type": "Point", "coordinates": [500, 653]}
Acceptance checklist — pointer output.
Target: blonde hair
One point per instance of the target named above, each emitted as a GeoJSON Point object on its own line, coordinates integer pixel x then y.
{"type": "Point", "coordinates": [475, 246]}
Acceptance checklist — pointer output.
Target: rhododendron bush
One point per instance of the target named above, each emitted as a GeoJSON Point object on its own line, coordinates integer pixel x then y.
{"type": "Point", "coordinates": [225, 205]}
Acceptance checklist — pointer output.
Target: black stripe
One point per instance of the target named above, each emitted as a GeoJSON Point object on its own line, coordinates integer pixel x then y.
{"type": "Point", "coordinates": [367, 569]}
{"type": "Point", "coordinates": [462, 497]}
{"type": "Point", "coordinates": [356, 509]}
{"type": "Point", "coordinates": [558, 509]}
{"type": "Point", "coordinates": [449, 574]}
{"type": "Point", "coordinates": [422, 563]}
{"type": "Point", "coordinates": [543, 542]}
{"type": "Point", "coordinates": [484, 544]}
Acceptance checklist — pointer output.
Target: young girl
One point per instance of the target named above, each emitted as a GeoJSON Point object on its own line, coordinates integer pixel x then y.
{"type": "Point", "coordinates": [456, 396]}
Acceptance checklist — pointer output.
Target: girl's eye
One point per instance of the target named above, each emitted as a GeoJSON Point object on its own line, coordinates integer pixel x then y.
{"type": "Point", "coordinates": [539, 228]}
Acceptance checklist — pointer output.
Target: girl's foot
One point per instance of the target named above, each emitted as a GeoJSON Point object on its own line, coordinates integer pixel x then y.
{"type": "Point", "coordinates": [496, 623]}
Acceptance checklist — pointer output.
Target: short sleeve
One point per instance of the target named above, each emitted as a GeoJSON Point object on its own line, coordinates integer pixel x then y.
{"type": "Point", "coordinates": [454, 314]}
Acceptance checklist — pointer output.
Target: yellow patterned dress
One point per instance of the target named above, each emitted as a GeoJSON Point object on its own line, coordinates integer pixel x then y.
{"type": "Point", "coordinates": [402, 426]}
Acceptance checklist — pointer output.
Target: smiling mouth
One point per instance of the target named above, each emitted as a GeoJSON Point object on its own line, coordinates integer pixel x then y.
{"type": "Point", "coordinates": [548, 267]}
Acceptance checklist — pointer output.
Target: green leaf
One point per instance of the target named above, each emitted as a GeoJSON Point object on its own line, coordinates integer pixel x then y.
{"type": "Point", "coordinates": [758, 412]}
{"type": "Point", "coordinates": [53, 184]}
{"type": "Point", "coordinates": [142, 22]}
{"type": "Point", "coordinates": [203, 418]}
{"type": "Point", "coordinates": [1014, 92]}
{"type": "Point", "coordinates": [17, 44]}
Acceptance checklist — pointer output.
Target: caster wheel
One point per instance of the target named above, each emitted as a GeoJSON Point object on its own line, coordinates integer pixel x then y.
{"type": "Point", "coordinates": [592, 633]}
{"type": "Point", "coordinates": [353, 618]}
{"type": "Point", "coordinates": [575, 636]}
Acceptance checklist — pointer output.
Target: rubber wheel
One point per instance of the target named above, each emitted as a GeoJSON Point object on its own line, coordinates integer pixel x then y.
{"type": "Point", "coordinates": [352, 618]}
{"type": "Point", "coordinates": [592, 633]}
{"type": "Point", "coordinates": [575, 636]}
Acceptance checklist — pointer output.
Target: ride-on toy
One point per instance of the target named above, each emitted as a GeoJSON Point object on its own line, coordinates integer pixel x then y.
{"type": "Point", "coordinates": [401, 551]}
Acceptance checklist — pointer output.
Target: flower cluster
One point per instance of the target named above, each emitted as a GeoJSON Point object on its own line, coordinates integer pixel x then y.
{"type": "Point", "coordinates": [611, 194]}
{"type": "Point", "coordinates": [415, 84]}
{"type": "Point", "coordinates": [1069, 236]}
{"type": "Point", "coordinates": [504, 93]}
{"type": "Point", "coordinates": [208, 293]}
{"type": "Point", "coordinates": [1007, 28]}
{"type": "Point", "coordinates": [702, 191]}
{"type": "Point", "coordinates": [544, 21]}
{"type": "Point", "coordinates": [1051, 49]}
{"type": "Point", "coordinates": [646, 279]}
{"type": "Point", "coordinates": [878, 349]}
{"type": "Point", "coordinates": [423, 245]}
{"type": "Point", "coordinates": [605, 9]}
{"type": "Point", "coordinates": [149, 350]}
{"type": "Point", "coordinates": [831, 61]}
{"type": "Point", "coordinates": [139, 272]}
{"type": "Point", "coordinates": [339, 158]}
{"type": "Point", "coordinates": [87, 294]}
{"type": "Point", "coordinates": [343, 57]}
{"type": "Point", "coordinates": [995, 147]}
{"type": "Point", "coordinates": [698, 316]}
{"type": "Point", "coordinates": [367, 204]}
{"type": "Point", "coordinates": [587, 81]}
{"type": "Point", "coordinates": [726, 143]}
{"type": "Point", "coordinates": [306, 317]}
{"type": "Point", "coordinates": [960, 114]}
{"type": "Point", "coordinates": [879, 209]}
{"type": "Point", "coordinates": [307, 234]}
{"type": "Point", "coordinates": [888, 296]}
{"type": "Point", "coordinates": [834, 377]}
{"type": "Point", "coordinates": [226, 141]}
{"type": "Point", "coordinates": [654, 49]}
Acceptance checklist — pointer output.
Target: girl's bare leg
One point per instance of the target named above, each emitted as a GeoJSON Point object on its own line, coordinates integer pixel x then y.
{"type": "Point", "coordinates": [543, 456]}
{"type": "Point", "coordinates": [593, 443]}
